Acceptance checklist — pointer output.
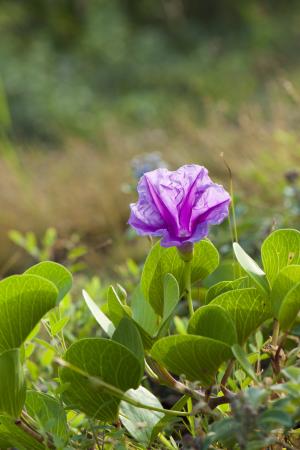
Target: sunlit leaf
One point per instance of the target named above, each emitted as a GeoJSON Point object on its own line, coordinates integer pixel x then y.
{"type": "Point", "coordinates": [24, 299]}
{"type": "Point", "coordinates": [12, 383]}
{"type": "Point", "coordinates": [286, 279]}
{"type": "Point", "coordinates": [279, 250]}
{"type": "Point", "coordinates": [289, 308]}
{"type": "Point", "coordinates": [58, 274]}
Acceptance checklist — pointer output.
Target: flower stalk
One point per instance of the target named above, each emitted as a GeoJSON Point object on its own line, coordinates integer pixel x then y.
{"type": "Point", "coordinates": [186, 253]}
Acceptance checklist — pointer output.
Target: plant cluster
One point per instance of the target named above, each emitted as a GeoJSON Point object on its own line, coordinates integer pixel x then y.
{"type": "Point", "coordinates": [231, 368]}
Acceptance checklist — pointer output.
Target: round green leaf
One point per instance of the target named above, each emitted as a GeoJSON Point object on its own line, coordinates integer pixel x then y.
{"type": "Point", "coordinates": [56, 273]}
{"type": "Point", "coordinates": [24, 299]}
{"type": "Point", "coordinates": [161, 261]}
{"type": "Point", "coordinates": [214, 322]}
{"type": "Point", "coordinates": [12, 383]}
{"type": "Point", "coordinates": [287, 278]}
{"type": "Point", "coordinates": [289, 308]}
{"type": "Point", "coordinates": [109, 361]}
{"type": "Point", "coordinates": [279, 250]}
{"type": "Point", "coordinates": [196, 357]}
{"type": "Point", "coordinates": [225, 286]}
{"type": "Point", "coordinates": [247, 308]}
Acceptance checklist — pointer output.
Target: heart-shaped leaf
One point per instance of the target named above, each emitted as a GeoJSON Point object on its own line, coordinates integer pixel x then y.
{"type": "Point", "coordinates": [196, 357]}
{"type": "Point", "coordinates": [12, 383]}
{"type": "Point", "coordinates": [225, 286]}
{"type": "Point", "coordinates": [140, 422]}
{"type": "Point", "coordinates": [49, 414]}
{"type": "Point", "coordinates": [279, 250]}
{"type": "Point", "coordinates": [251, 268]}
{"type": "Point", "coordinates": [247, 308]}
{"type": "Point", "coordinates": [289, 308]}
{"type": "Point", "coordinates": [107, 360]}
{"type": "Point", "coordinates": [161, 261]}
{"type": "Point", "coordinates": [286, 279]}
{"type": "Point", "coordinates": [24, 299]}
{"type": "Point", "coordinates": [214, 322]}
{"type": "Point", "coordinates": [56, 273]}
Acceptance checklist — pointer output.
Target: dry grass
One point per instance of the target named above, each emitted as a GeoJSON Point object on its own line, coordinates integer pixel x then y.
{"type": "Point", "coordinates": [79, 188]}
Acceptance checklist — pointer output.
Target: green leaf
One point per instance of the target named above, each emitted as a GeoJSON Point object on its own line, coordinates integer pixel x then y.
{"type": "Point", "coordinates": [143, 313]}
{"type": "Point", "coordinates": [24, 299]}
{"type": "Point", "coordinates": [48, 413]}
{"type": "Point", "coordinates": [12, 434]}
{"type": "Point", "coordinates": [286, 279]}
{"type": "Point", "coordinates": [196, 357]}
{"type": "Point", "coordinates": [128, 335]}
{"type": "Point", "coordinates": [58, 326]}
{"type": "Point", "coordinates": [279, 250]}
{"type": "Point", "coordinates": [161, 261]}
{"type": "Point", "coordinates": [214, 322]}
{"type": "Point", "coordinates": [56, 273]}
{"type": "Point", "coordinates": [104, 322]}
{"type": "Point", "coordinates": [251, 268]}
{"type": "Point", "coordinates": [117, 310]}
{"type": "Point", "coordinates": [241, 357]}
{"type": "Point", "coordinates": [12, 383]}
{"type": "Point", "coordinates": [140, 422]}
{"type": "Point", "coordinates": [289, 308]}
{"type": "Point", "coordinates": [225, 286]}
{"type": "Point", "coordinates": [108, 360]}
{"type": "Point", "coordinates": [247, 308]}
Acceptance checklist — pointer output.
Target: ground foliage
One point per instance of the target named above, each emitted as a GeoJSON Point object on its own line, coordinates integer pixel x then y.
{"type": "Point", "coordinates": [232, 368]}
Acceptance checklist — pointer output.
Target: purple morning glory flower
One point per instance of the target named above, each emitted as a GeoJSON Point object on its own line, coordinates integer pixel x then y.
{"type": "Point", "coordinates": [178, 206]}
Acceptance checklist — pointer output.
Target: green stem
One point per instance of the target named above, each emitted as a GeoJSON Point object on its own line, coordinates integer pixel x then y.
{"type": "Point", "coordinates": [275, 333]}
{"type": "Point", "coordinates": [187, 285]}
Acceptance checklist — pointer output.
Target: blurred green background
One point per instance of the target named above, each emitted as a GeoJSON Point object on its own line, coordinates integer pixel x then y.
{"type": "Point", "coordinates": [87, 85]}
